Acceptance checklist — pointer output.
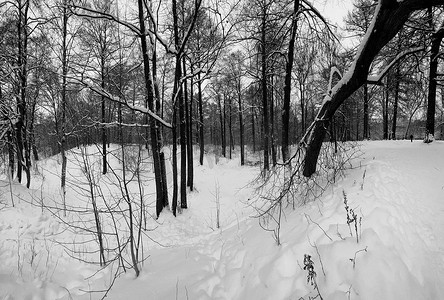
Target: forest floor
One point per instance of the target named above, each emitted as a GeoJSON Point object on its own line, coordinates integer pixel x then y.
{"type": "Point", "coordinates": [396, 189]}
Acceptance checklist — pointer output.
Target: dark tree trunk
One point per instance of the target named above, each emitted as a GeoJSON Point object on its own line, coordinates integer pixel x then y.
{"type": "Point", "coordinates": [287, 84]}
{"type": "Point", "coordinates": [303, 109]}
{"type": "Point", "coordinates": [10, 153]}
{"type": "Point", "coordinates": [366, 125]}
{"type": "Point", "coordinates": [183, 150]}
{"type": "Point", "coordinates": [153, 123]}
{"type": "Point", "coordinates": [230, 127]}
{"type": "Point", "coordinates": [385, 103]}
{"type": "Point", "coordinates": [21, 100]}
{"type": "Point", "coordinates": [158, 130]}
{"type": "Point", "coordinates": [222, 125]}
{"type": "Point", "coordinates": [63, 104]}
{"type": "Point", "coordinates": [182, 117]}
{"type": "Point", "coordinates": [103, 111]}
{"type": "Point", "coordinates": [253, 129]}
{"type": "Point", "coordinates": [175, 172]}
{"type": "Point", "coordinates": [241, 122]}
{"type": "Point", "coordinates": [188, 112]}
{"type": "Point", "coordinates": [201, 120]}
{"type": "Point", "coordinates": [272, 121]}
{"type": "Point", "coordinates": [264, 93]}
{"type": "Point", "coordinates": [395, 103]}
{"type": "Point", "coordinates": [431, 96]}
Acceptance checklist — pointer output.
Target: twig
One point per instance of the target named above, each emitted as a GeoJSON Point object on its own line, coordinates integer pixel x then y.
{"type": "Point", "coordinates": [326, 234]}
{"type": "Point", "coordinates": [354, 259]}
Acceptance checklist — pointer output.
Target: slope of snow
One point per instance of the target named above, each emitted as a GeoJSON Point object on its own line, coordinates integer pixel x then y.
{"type": "Point", "coordinates": [396, 190]}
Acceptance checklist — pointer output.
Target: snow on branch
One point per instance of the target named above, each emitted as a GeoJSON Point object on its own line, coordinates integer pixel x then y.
{"type": "Point", "coordinates": [113, 98]}
{"type": "Point", "coordinates": [333, 70]}
{"type": "Point", "coordinates": [95, 14]}
{"type": "Point", "coordinates": [377, 78]}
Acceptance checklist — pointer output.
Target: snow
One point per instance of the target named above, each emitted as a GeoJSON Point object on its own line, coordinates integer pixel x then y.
{"type": "Point", "coordinates": [396, 190]}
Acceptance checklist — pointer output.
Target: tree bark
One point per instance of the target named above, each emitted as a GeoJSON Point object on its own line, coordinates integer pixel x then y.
{"type": "Point", "coordinates": [189, 128]}
{"type": "Point", "coordinates": [431, 95]}
{"type": "Point", "coordinates": [287, 84]}
{"type": "Point", "coordinates": [385, 109]}
{"type": "Point", "coordinates": [241, 122]}
{"type": "Point", "coordinates": [264, 92]}
{"type": "Point", "coordinates": [222, 125]}
{"type": "Point", "coordinates": [201, 120]}
{"type": "Point", "coordinates": [395, 102]}
{"type": "Point", "coordinates": [366, 125]}
{"type": "Point", "coordinates": [253, 129]}
{"type": "Point", "coordinates": [63, 104]}
{"type": "Point", "coordinates": [230, 127]}
{"type": "Point", "coordinates": [150, 97]}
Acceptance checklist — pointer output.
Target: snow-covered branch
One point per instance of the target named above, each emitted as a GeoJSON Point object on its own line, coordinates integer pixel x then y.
{"type": "Point", "coordinates": [377, 78]}
{"type": "Point", "coordinates": [113, 98]}
{"type": "Point", "coordinates": [95, 14]}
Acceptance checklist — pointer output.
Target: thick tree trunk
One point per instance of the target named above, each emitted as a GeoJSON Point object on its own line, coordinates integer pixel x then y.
{"type": "Point", "coordinates": [21, 88]}
{"type": "Point", "coordinates": [431, 95]}
{"type": "Point", "coordinates": [158, 130]}
{"type": "Point", "coordinates": [287, 84]}
{"type": "Point", "coordinates": [160, 194]}
{"type": "Point", "coordinates": [385, 103]}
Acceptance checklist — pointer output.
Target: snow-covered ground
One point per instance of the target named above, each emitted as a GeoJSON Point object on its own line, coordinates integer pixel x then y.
{"type": "Point", "coordinates": [396, 191]}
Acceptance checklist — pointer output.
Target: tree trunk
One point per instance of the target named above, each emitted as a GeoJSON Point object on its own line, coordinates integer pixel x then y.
{"type": "Point", "coordinates": [222, 125]}
{"type": "Point", "coordinates": [183, 149]}
{"type": "Point", "coordinates": [201, 120]}
{"type": "Point", "coordinates": [182, 120]}
{"type": "Point", "coordinates": [253, 133]}
{"type": "Point", "coordinates": [21, 135]}
{"type": "Point", "coordinates": [189, 111]}
{"type": "Point", "coordinates": [287, 84]}
{"type": "Point", "coordinates": [160, 194]}
{"type": "Point", "coordinates": [272, 121]}
{"type": "Point", "coordinates": [303, 108]}
{"type": "Point", "coordinates": [174, 134]}
{"type": "Point", "coordinates": [264, 92]}
{"type": "Point", "coordinates": [395, 103]}
{"type": "Point", "coordinates": [103, 112]}
{"type": "Point", "coordinates": [230, 127]}
{"type": "Point", "coordinates": [385, 103]}
{"type": "Point", "coordinates": [241, 122]}
{"type": "Point", "coordinates": [366, 125]}
{"type": "Point", "coordinates": [431, 96]}
{"type": "Point", "coordinates": [63, 104]}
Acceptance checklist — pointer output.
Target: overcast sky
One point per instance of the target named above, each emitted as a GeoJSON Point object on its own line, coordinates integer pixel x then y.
{"type": "Point", "coordinates": [334, 10]}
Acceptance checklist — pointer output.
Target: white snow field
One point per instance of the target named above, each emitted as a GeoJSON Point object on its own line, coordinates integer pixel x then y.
{"type": "Point", "coordinates": [396, 190]}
